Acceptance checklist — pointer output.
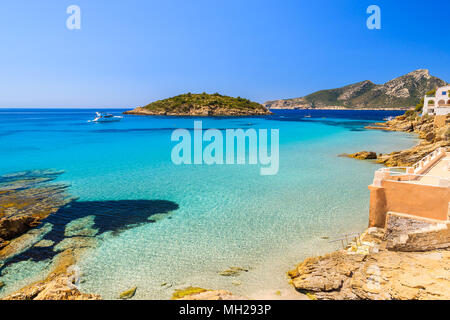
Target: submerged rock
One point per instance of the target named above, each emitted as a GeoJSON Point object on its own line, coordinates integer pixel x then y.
{"type": "Point", "coordinates": [24, 242]}
{"type": "Point", "coordinates": [232, 271]}
{"type": "Point", "coordinates": [186, 292]}
{"type": "Point", "coordinates": [59, 284]}
{"type": "Point", "coordinates": [26, 199]}
{"type": "Point", "coordinates": [210, 295]}
{"type": "Point", "coordinates": [44, 243]}
{"type": "Point", "coordinates": [81, 227]}
{"type": "Point", "coordinates": [128, 294]}
{"type": "Point", "coordinates": [76, 243]}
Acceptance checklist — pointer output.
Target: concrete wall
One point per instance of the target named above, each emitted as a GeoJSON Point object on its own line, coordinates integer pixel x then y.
{"type": "Point", "coordinates": [409, 198]}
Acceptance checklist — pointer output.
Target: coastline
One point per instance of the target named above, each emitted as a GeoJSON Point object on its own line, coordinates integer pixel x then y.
{"type": "Point", "coordinates": [342, 108]}
{"type": "Point", "coordinates": [430, 137]}
{"type": "Point", "coordinates": [368, 270]}
{"type": "Point", "coordinates": [379, 265]}
{"type": "Point", "coordinates": [282, 272]}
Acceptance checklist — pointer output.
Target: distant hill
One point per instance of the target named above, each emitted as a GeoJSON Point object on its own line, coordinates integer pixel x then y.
{"type": "Point", "coordinates": [204, 104]}
{"type": "Point", "coordinates": [402, 92]}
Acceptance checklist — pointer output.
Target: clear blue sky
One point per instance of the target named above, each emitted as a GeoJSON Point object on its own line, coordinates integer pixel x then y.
{"type": "Point", "coordinates": [132, 52]}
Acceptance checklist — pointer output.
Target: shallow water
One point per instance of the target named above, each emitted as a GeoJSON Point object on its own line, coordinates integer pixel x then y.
{"type": "Point", "coordinates": [205, 218]}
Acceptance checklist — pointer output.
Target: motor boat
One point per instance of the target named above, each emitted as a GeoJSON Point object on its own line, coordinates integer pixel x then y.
{"type": "Point", "coordinates": [390, 118]}
{"type": "Point", "coordinates": [106, 117]}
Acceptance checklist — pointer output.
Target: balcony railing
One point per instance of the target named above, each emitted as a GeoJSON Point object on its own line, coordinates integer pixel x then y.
{"type": "Point", "coordinates": [414, 174]}
{"type": "Point", "coordinates": [428, 159]}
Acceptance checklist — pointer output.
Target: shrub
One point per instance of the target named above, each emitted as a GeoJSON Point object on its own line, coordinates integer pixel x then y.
{"type": "Point", "coordinates": [419, 106]}
{"type": "Point", "coordinates": [410, 114]}
{"type": "Point", "coordinates": [431, 93]}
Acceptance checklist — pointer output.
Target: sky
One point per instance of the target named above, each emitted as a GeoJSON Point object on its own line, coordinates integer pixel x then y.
{"type": "Point", "coordinates": [130, 53]}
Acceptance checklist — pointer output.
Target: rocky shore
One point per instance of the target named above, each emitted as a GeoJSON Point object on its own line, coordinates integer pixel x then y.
{"type": "Point", "coordinates": [27, 199]}
{"type": "Point", "coordinates": [371, 268]}
{"type": "Point", "coordinates": [60, 284]}
{"type": "Point", "coordinates": [408, 259]}
{"type": "Point", "coordinates": [431, 138]}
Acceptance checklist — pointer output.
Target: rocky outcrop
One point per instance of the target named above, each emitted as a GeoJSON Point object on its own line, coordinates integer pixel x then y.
{"type": "Point", "coordinates": [431, 139]}
{"type": "Point", "coordinates": [233, 271]}
{"type": "Point", "coordinates": [362, 155]}
{"type": "Point", "coordinates": [374, 274]}
{"type": "Point", "coordinates": [60, 284]}
{"type": "Point", "coordinates": [26, 199]}
{"type": "Point", "coordinates": [402, 92]}
{"type": "Point", "coordinates": [64, 276]}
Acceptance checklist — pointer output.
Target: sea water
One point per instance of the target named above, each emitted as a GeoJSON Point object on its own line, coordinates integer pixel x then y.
{"type": "Point", "coordinates": [216, 216]}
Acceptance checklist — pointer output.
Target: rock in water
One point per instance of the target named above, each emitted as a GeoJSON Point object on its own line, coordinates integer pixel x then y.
{"type": "Point", "coordinates": [186, 292]}
{"type": "Point", "coordinates": [44, 243]}
{"type": "Point", "coordinates": [128, 294]}
{"type": "Point", "coordinates": [362, 155]}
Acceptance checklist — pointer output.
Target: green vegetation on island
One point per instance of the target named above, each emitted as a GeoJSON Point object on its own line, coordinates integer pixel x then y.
{"type": "Point", "coordinates": [191, 104]}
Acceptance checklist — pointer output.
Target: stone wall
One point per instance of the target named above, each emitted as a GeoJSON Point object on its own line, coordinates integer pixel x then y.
{"type": "Point", "coordinates": [409, 233]}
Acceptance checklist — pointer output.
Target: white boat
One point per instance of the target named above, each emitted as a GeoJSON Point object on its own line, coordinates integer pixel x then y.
{"type": "Point", "coordinates": [390, 118]}
{"type": "Point", "coordinates": [106, 117]}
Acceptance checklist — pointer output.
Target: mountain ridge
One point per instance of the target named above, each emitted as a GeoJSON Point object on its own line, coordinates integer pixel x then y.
{"type": "Point", "coordinates": [400, 93]}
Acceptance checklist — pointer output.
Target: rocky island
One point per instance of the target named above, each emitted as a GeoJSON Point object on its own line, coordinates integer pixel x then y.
{"type": "Point", "coordinates": [203, 104]}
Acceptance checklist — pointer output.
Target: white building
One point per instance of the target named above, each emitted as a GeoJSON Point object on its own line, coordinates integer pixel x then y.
{"type": "Point", "coordinates": [438, 105]}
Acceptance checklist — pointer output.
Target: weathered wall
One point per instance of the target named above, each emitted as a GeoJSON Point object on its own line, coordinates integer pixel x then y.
{"type": "Point", "coordinates": [409, 198]}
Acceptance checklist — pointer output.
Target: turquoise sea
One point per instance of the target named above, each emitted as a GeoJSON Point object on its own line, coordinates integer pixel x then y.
{"type": "Point", "coordinates": [216, 216]}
